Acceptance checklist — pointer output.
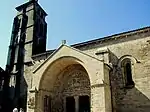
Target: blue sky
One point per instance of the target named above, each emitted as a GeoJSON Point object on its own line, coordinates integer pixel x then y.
{"type": "Point", "coordinates": [78, 20]}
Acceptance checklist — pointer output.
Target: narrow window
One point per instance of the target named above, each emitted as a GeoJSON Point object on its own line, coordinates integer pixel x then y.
{"type": "Point", "coordinates": [128, 75]}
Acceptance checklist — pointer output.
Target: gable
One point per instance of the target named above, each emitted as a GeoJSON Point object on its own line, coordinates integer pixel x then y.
{"type": "Point", "coordinates": [66, 51]}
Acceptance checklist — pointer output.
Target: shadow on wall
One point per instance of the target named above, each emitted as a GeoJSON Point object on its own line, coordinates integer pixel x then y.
{"type": "Point", "coordinates": [126, 99]}
{"type": "Point", "coordinates": [133, 101]}
{"type": "Point", "coordinates": [13, 101]}
{"type": "Point", "coordinates": [23, 94]}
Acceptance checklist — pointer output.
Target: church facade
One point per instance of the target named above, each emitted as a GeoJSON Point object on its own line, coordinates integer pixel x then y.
{"type": "Point", "coordinates": [110, 74]}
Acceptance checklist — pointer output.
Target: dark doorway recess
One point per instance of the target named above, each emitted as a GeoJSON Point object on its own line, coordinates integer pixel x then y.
{"type": "Point", "coordinates": [70, 104]}
{"type": "Point", "coordinates": [84, 104]}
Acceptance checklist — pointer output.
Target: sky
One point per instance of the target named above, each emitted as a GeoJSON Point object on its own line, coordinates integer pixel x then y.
{"type": "Point", "coordinates": [78, 21]}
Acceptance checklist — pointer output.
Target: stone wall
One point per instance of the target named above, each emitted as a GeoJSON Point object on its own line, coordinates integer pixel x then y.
{"type": "Point", "coordinates": [137, 48]}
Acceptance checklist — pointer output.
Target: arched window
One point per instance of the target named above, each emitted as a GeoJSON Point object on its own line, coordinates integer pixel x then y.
{"type": "Point", "coordinates": [127, 73]}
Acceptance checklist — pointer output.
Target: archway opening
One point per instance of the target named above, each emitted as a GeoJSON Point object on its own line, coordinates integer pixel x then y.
{"type": "Point", "coordinates": [127, 73]}
{"type": "Point", "coordinates": [71, 86]}
{"type": "Point", "coordinates": [66, 84]}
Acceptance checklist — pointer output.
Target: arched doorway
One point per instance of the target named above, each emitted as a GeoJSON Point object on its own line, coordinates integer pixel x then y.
{"type": "Point", "coordinates": [71, 86]}
{"type": "Point", "coordinates": [54, 84]}
{"type": "Point", "coordinates": [67, 89]}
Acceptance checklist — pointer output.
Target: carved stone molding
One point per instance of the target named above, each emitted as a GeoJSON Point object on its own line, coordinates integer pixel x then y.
{"type": "Point", "coordinates": [31, 103]}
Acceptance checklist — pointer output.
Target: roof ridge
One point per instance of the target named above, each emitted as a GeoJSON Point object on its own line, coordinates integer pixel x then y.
{"type": "Point", "coordinates": [125, 34]}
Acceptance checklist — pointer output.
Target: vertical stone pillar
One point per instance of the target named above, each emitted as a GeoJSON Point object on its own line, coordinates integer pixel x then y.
{"type": "Point", "coordinates": [97, 98]}
{"type": "Point", "coordinates": [64, 105]}
{"type": "Point", "coordinates": [31, 100]}
{"type": "Point", "coordinates": [76, 103]}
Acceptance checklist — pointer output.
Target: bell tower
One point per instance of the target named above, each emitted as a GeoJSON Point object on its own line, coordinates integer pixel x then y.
{"type": "Point", "coordinates": [35, 29]}
{"type": "Point", "coordinates": [28, 38]}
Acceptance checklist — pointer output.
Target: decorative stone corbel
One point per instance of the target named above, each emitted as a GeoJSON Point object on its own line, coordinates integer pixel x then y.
{"type": "Point", "coordinates": [31, 98]}
{"type": "Point", "coordinates": [102, 51]}
{"type": "Point", "coordinates": [31, 103]}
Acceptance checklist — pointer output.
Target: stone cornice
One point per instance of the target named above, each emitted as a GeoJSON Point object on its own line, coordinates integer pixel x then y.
{"type": "Point", "coordinates": [29, 3]}
{"type": "Point", "coordinates": [114, 37]}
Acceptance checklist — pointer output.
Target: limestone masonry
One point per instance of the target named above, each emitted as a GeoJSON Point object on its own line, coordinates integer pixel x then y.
{"type": "Point", "coordinates": [110, 74]}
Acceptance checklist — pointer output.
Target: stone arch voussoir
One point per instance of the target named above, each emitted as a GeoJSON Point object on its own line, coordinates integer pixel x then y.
{"type": "Point", "coordinates": [65, 61]}
{"type": "Point", "coordinates": [130, 57]}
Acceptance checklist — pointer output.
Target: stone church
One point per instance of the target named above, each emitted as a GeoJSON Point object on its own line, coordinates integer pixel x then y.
{"type": "Point", "coordinates": [109, 74]}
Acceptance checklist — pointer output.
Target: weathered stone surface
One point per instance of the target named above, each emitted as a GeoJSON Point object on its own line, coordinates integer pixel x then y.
{"type": "Point", "coordinates": [94, 69]}
{"type": "Point", "coordinates": [120, 99]}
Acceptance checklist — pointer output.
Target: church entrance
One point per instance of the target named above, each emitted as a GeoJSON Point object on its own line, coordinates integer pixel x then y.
{"type": "Point", "coordinates": [73, 81]}
{"type": "Point", "coordinates": [71, 91]}
{"type": "Point", "coordinates": [70, 104]}
{"type": "Point", "coordinates": [82, 104]}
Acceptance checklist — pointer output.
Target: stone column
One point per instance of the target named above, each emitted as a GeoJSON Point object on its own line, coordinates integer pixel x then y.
{"type": "Point", "coordinates": [76, 103]}
{"type": "Point", "coordinates": [64, 105]}
{"type": "Point", "coordinates": [97, 98]}
{"type": "Point", "coordinates": [31, 100]}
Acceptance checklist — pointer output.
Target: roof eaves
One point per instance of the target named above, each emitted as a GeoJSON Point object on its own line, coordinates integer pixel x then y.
{"type": "Point", "coordinates": [111, 37]}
